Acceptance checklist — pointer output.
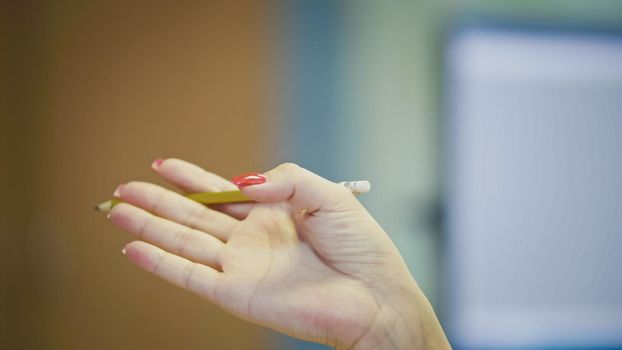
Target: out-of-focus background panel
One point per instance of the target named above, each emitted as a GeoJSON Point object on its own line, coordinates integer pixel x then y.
{"type": "Point", "coordinates": [532, 100]}
{"type": "Point", "coordinates": [534, 173]}
{"type": "Point", "coordinates": [104, 88]}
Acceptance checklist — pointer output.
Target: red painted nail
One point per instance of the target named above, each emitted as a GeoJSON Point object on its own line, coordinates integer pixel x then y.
{"type": "Point", "coordinates": [117, 192]}
{"type": "Point", "coordinates": [156, 163]}
{"type": "Point", "coordinates": [249, 179]}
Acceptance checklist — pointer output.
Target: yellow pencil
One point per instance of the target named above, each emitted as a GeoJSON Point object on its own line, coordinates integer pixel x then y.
{"type": "Point", "coordinates": [207, 198]}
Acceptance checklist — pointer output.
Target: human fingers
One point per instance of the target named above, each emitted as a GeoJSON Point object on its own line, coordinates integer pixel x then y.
{"type": "Point", "coordinates": [171, 236]}
{"type": "Point", "coordinates": [173, 206]}
{"type": "Point", "coordinates": [198, 278]}
{"type": "Point", "coordinates": [302, 188]}
{"type": "Point", "coordinates": [191, 178]}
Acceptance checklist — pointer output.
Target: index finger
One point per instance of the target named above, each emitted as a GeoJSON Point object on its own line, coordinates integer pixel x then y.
{"type": "Point", "coordinates": [191, 178]}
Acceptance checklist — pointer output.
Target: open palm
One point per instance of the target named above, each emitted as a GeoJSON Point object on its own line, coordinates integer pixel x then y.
{"type": "Point", "coordinates": [273, 277]}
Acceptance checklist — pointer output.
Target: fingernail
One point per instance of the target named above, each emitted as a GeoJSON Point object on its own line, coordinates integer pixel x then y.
{"type": "Point", "coordinates": [156, 163]}
{"type": "Point", "coordinates": [123, 251]}
{"type": "Point", "coordinates": [249, 179]}
{"type": "Point", "coordinates": [117, 192]}
{"type": "Point", "coordinates": [108, 216]}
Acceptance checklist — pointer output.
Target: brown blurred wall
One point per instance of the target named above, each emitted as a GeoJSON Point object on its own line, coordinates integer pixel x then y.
{"type": "Point", "coordinates": [99, 89]}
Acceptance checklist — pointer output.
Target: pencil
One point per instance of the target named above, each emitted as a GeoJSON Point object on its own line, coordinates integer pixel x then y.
{"type": "Point", "coordinates": [207, 198]}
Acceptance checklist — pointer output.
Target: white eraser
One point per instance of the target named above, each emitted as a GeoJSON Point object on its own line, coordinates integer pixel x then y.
{"type": "Point", "coordinates": [357, 187]}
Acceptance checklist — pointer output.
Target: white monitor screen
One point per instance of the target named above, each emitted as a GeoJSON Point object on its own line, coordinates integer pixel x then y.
{"type": "Point", "coordinates": [534, 189]}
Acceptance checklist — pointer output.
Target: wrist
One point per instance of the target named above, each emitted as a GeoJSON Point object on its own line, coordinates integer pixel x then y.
{"type": "Point", "coordinates": [405, 320]}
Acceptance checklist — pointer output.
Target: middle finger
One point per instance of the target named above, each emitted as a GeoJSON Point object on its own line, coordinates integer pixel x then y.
{"type": "Point", "coordinates": [175, 207]}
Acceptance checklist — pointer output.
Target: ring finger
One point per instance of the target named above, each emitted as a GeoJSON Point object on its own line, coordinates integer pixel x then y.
{"type": "Point", "coordinates": [168, 235]}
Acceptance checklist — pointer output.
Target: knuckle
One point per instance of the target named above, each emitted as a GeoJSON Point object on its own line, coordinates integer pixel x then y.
{"type": "Point", "coordinates": [288, 167]}
{"type": "Point", "coordinates": [159, 262]}
{"type": "Point", "coordinates": [196, 216]}
{"type": "Point", "coordinates": [189, 275]}
{"type": "Point", "coordinates": [144, 227]}
{"type": "Point", "coordinates": [180, 240]}
{"type": "Point", "coordinates": [159, 199]}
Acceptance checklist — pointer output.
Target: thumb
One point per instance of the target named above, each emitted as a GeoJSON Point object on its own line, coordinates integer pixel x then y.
{"type": "Point", "coordinates": [302, 188]}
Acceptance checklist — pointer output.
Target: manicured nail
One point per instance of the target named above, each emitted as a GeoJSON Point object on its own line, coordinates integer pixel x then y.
{"type": "Point", "coordinates": [156, 163]}
{"type": "Point", "coordinates": [249, 179]}
{"type": "Point", "coordinates": [123, 251]}
{"type": "Point", "coordinates": [108, 216]}
{"type": "Point", "coordinates": [117, 192]}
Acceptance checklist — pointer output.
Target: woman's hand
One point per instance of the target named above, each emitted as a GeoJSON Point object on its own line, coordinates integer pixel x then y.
{"type": "Point", "coordinates": [307, 259]}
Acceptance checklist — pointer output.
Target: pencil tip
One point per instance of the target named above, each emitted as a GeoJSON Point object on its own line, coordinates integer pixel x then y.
{"type": "Point", "coordinates": [104, 207]}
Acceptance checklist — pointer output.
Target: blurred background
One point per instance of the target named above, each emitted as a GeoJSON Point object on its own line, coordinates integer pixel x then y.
{"type": "Point", "coordinates": [490, 130]}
